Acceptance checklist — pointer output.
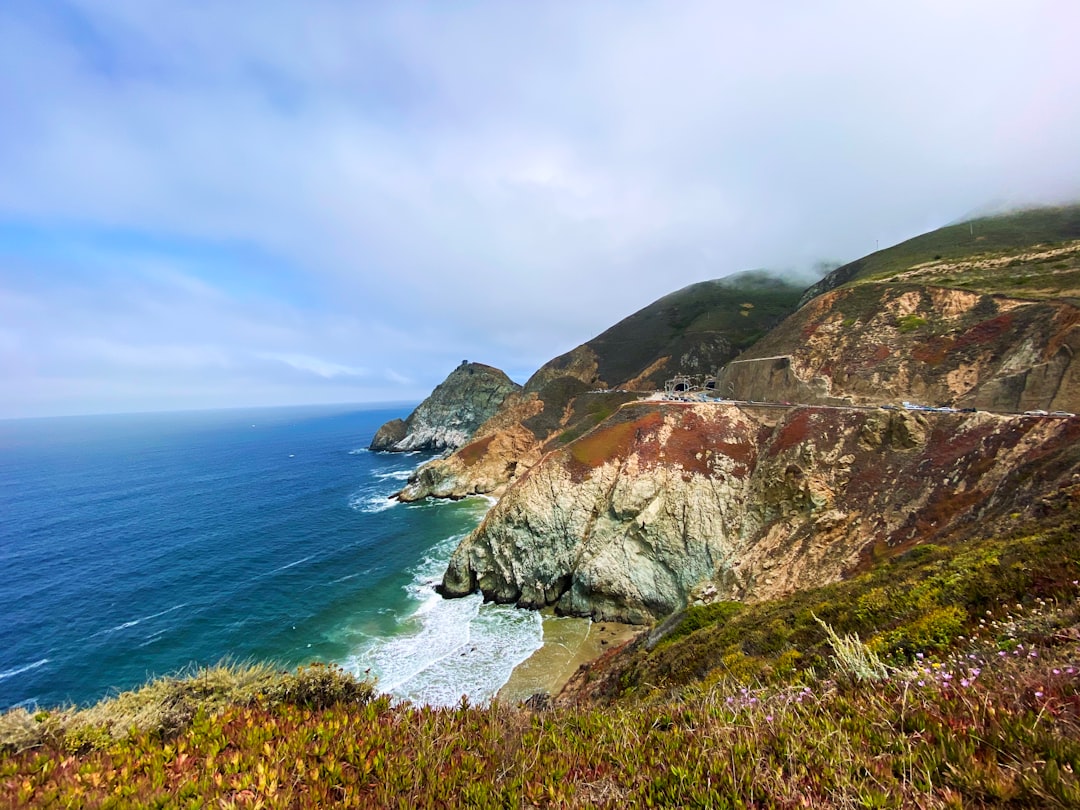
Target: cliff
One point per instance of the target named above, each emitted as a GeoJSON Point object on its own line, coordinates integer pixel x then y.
{"type": "Point", "coordinates": [449, 417]}
{"type": "Point", "coordinates": [695, 330]}
{"type": "Point", "coordinates": [666, 502]}
{"type": "Point", "coordinates": [630, 513]}
{"type": "Point", "coordinates": [879, 343]}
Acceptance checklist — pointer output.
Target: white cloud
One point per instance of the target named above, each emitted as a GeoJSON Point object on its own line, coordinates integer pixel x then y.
{"type": "Point", "coordinates": [314, 365]}
{"type": "Point", "coordinates": [493, 180]}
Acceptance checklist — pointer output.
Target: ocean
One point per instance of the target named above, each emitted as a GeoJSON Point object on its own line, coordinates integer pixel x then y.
{"type": "Point", "coordinates": [139, 545]}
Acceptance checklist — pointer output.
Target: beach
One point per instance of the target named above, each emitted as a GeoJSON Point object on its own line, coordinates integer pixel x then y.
{"type": "Point", "coordinates": [568, 643]}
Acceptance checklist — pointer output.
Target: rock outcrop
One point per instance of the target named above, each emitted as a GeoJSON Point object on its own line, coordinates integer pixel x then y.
{"type": "Point", "coordinates": [877, 343]}
{"type": "Point", "coordinates": [450, 417]}
{"type": "Point", "coordinates": [666, 501]}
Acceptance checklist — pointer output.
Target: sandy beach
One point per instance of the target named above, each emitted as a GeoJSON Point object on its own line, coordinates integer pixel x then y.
{"type": "Point", "coordinates": [568, 643]}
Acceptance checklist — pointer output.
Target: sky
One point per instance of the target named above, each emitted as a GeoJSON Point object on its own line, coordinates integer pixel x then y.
{"type": "Point", "coordinates": [251, 202]}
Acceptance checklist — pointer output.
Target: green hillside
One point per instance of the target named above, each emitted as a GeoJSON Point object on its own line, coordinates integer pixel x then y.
{"type": "Point", "coordinates": [1029, 254]}
{"type": "Point", "coordinates": [698, 329]}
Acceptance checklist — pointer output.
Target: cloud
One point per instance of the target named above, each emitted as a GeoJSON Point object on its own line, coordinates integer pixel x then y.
{"type": "Point", "coordinates": [500, 181]}
{"type": "Point", "coordinates": [315, 365]}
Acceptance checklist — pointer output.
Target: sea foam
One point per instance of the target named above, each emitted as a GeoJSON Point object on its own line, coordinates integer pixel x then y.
{"type": "Point", "coordinates": [10, 673]}
{"type": "Point", "coordinates": [448, 648]}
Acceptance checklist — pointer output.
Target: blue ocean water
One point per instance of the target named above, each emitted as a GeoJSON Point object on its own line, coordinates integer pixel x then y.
{"type": "Point", "coordinates": [136, 545]}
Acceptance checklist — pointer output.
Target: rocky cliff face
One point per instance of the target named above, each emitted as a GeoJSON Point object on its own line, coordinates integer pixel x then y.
{"type": "Point", "coordinates": [881, 343]}
{"type": "Point", "coordinates": [667, 502]}
{"type": "Point", "coordinates": [452, 414]}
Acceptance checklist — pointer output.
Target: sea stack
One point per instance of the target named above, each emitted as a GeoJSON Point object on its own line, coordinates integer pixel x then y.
{"type": "Point", "coordinates": [448, 418]}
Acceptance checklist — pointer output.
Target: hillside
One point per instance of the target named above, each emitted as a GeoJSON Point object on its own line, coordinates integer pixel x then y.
{"type": "Point", "coordinates": [1035, 252]}
{"type": "Point", "coordinates": [665, 501]}
{"type": "Point", "coordinates": [693, 331]}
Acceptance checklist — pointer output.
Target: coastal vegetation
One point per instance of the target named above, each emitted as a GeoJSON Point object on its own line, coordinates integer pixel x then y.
{"type": "Point", "coordinates": [760, 705]}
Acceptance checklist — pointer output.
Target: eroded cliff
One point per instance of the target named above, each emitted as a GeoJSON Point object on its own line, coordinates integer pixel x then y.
{"type": "Point", "coordinates": [887, 342]}
{"type": "Point", "coordinates": [667, 502]}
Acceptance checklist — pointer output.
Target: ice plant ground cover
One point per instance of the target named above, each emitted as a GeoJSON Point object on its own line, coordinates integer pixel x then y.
{"type": "Point", "coordinates": [989, 716]}
{"type": "Point", "coordinates": [944, 733]}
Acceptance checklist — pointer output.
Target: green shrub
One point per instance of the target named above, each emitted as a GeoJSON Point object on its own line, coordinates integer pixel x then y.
{"type": "Point", "coordinates": [909, 323]}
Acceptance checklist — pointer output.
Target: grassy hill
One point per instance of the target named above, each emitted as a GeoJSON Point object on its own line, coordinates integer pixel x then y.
{"type": "Point", "coordinates": [1030, 254]}
{"type": "Point", "coordinates": [694, 330]}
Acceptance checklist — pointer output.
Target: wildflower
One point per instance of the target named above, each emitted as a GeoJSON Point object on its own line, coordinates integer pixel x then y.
{"type": "Point", "coordinates": [1002, 653]}
{"type": "Point", "coordinates": [1033, 654]}
{"type": "Point", "coordinates": [1057, 671]}
{"type": "Point", "coordinates": [1070, 671]}
{"type": "Point", "coordinates": [1038, 694]}
{"type": "Point", "coordinates": [975, 673]}
{"type": "Point", "coordinates": [946, 676]}
{"type": "Point", "coordinates": [919, 656]}
{"type": "Point", "coordinates": [922, 683]}
{"type": "Point", "coordinates": [965, 682]}
{"type": "Point", "coordinates": [768, 718]}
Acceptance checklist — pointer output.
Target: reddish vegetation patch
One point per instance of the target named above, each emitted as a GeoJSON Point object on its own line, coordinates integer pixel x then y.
{"type": "Point", "coordinates": [695, 442]}
{"type": "Point", "coordinates": [985, 332]}
{"type": "Point", "coordinates": [933, 352]}
{"type": "Point", "coordinates": [614, 441]}
{"type": "Point", "coordinates": [793, 433]}
{"type": "Point", "coordinates": [471, 453]}
{"type": "Point", "coordinates": [948, 442]}
{"type": "Point", "coordinates": [881, 353]}
{"type": "Point", "coordinates": [941, 513]}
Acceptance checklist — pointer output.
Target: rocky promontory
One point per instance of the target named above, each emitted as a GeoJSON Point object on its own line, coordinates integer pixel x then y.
{"type": "Point", "coordinates": [449, 417]}
{"type": "Point", "coordinates": [669, 502]}
{"type": "Point", "coordinates": [811, 469]}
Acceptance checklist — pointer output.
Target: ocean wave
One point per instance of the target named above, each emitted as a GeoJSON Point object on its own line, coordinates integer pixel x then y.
{"type": "Point", "coordinates": [140, 620]}
{"type": "Point", "coordinates": [394, 475]}
{"type": "Point", "coordinates": [359, 451]}
{"type": "Point", "coordinates": [370, 504]}
{"type": "Point", "coordinates": [347, 577]}
{"type": "Point", "coordinates": [292, 564]}
{"type": "Point", "coordinates": [11, 673]}
{"type": "Point", "coordinates": [447, 648]}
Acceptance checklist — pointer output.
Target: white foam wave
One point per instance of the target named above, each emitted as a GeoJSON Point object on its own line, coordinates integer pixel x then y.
{"type": "Point", "coordinates": [292, 564]}
{"type": "Point", "coordinates": [140, 620]}
{"type": "Point", "coordinates": [346, 578]}
{"type": "Point", "coordinates": [449, 647]}
{"type": "Point", "coordinates": [366, 502]}
{"type": "Point", "coordinates": [394, 475]}
{"type": "Point", "coordinates": [11, 673]}
{"type": "Point", "coordinates": [358, 451]}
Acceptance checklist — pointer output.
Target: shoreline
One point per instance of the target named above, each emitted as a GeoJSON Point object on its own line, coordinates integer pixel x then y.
{"type": "Point", "coordinates": [568, 643]}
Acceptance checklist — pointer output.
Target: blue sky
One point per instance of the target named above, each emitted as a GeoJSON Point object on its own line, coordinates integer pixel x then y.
{"type": "Point", "coordinates": [240, 203]}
